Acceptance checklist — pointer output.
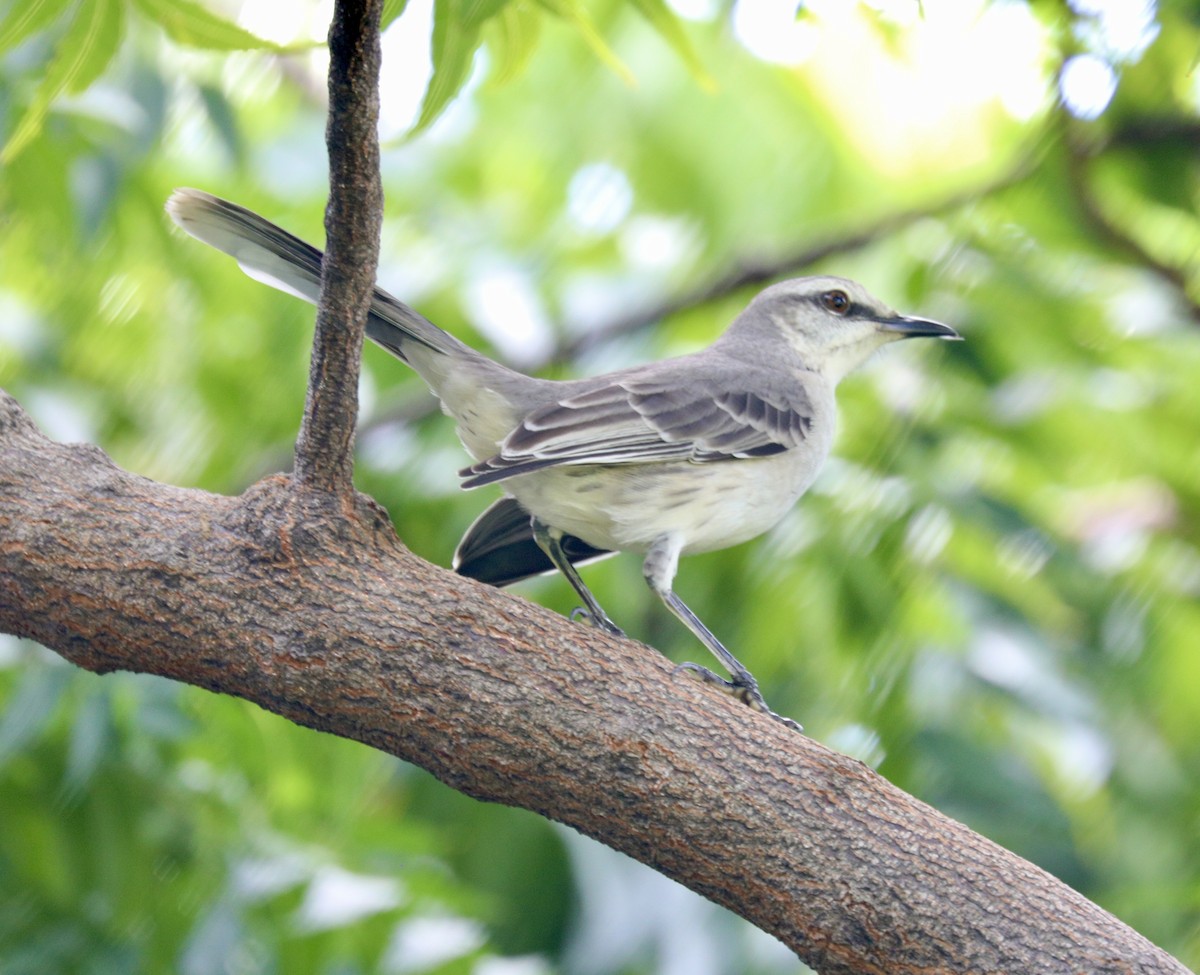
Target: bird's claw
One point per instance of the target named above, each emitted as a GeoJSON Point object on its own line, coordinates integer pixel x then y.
{"type": "Point", "coordinates": [745, 690]}
{"type": "Point", "coordinates": [598, 620]}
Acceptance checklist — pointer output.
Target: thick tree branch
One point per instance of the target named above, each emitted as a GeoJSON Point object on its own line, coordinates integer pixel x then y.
{"type": "Point", "coordinates": [325, 446]}
{"type": "Point", "coordinates": [314, 611]}
{"type": "Point", "coordinates": [317, 613]}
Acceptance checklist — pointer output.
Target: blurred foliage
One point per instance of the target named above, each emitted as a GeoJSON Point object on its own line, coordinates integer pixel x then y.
{"type": "Point", "coordinates": [992, 594]}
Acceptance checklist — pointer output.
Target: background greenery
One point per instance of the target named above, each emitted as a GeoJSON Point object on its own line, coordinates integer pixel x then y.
{"type": "Point", "coordinates": [990, 594]}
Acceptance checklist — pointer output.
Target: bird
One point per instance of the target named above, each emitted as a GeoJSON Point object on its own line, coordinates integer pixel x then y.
{"type": "Point", "coordinates": [685, 455]}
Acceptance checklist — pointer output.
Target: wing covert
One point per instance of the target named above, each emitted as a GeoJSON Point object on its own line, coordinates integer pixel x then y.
{"type": "Point", "coordinates": [642, 420]}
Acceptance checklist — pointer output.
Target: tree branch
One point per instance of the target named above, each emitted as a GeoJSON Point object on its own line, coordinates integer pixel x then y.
{"type": "Point", "coordinates": [744, 273]}
{"type": "Point", "coordinates": [1081, 155]}
{"type": "Point", "coordinates": [316, 612]}
{"type": "Point", "coordinates": [320, 615]}
{"type": "Point", "coordinates": [747, 272]}
{"type": "Point", "coordinates": [353, 216]}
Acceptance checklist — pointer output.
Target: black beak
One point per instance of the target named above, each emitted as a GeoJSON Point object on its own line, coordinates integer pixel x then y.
{"type": "Point", "coordinates": [913, 328]}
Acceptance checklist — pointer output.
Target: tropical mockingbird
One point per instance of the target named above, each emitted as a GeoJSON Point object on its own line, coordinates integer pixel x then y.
{"type": "Point", "coordinates": [686, 455]}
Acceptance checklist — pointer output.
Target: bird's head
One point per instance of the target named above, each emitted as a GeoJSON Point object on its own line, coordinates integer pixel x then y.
{"type": "Point", "coordinates": [832, 324]}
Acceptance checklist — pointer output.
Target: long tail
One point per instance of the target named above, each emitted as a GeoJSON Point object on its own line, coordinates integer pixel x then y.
{"type": "Point", "coordinates": [270, 254]}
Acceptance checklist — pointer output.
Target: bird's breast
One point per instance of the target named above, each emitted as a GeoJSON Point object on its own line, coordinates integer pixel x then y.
{"type": "Point", "coordinates": [708, 505]}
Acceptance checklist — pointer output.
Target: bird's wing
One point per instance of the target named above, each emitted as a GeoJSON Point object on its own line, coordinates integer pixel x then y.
{"type": "Point", "coordinates": [643, 419]}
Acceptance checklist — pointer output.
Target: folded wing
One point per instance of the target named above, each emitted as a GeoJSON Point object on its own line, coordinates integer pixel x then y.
{"type": "Point", "coordinates": [641, 419]}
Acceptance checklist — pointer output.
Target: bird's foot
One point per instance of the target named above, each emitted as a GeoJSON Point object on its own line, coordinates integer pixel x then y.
{"type": "Point", "coordinates": [745, 690]}
{"type": "Point", "coordinates": [598, 620]}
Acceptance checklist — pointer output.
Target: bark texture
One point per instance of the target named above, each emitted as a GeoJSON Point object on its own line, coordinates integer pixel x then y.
{"type": "Point", "coordinates": [353, 216]}
{"type": "Point", "coordinates": [308, 606]}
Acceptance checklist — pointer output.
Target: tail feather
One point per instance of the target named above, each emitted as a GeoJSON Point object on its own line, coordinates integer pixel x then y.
{"type": "Point", "coordinates": [271, 255]}
{"type": "Point", "coordinates": [499, 547]}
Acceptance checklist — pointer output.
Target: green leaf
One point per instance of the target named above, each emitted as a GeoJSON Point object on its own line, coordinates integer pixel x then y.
{"type": "Point", "coordinates": [574, 13]}
{"type": "Point", "coordinates": [512, 38]}
{"type": "Point", "coordinates": [193, 25]}
{"type": "Point", "coordinates": [671, 30]}
{"type": "Point", "coordinates": [91, 737]}
{"type": "Point", "coordinates": [26, 19]}
{"type": "Point", "coordinates": [457, 34]}
{"type": "Point", "coordinates": [100, 43]}
{"type": "Point", "coordinates": [224, 121]}
{"type": "Point", "coordinates": [477, 12]}
{"type": "Point", "coordinates": [82, 54]}
{"type": "Point", "coordinates": [392, 10]}
{"type": "Point", "coordinates": [32, 705]}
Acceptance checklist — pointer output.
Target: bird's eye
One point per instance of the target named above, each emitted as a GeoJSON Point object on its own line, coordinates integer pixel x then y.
{"type": "Point", "coordinates": [837, 302]}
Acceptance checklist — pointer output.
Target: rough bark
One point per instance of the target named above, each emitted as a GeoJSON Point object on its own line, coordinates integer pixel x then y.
{"type": "Point", "coordinates": [353, 216]}
{"type": "Point", "coordinates": [298, 597]}
{"type": "Point", "coordinates": [310, 607]}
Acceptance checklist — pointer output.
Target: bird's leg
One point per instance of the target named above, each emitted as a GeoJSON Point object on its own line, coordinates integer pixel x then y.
{"type": "Point", "coordinates": [659, 570]}
{"type": "Point", "coordinates": [550, 541]}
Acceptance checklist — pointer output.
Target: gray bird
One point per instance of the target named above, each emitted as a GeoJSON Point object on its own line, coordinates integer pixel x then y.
{"type": "Point", "coordinates": [690, 454]}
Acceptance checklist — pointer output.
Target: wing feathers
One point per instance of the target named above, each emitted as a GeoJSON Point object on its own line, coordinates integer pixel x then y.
{"type": "Point", "coordinates": [634, 420]}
